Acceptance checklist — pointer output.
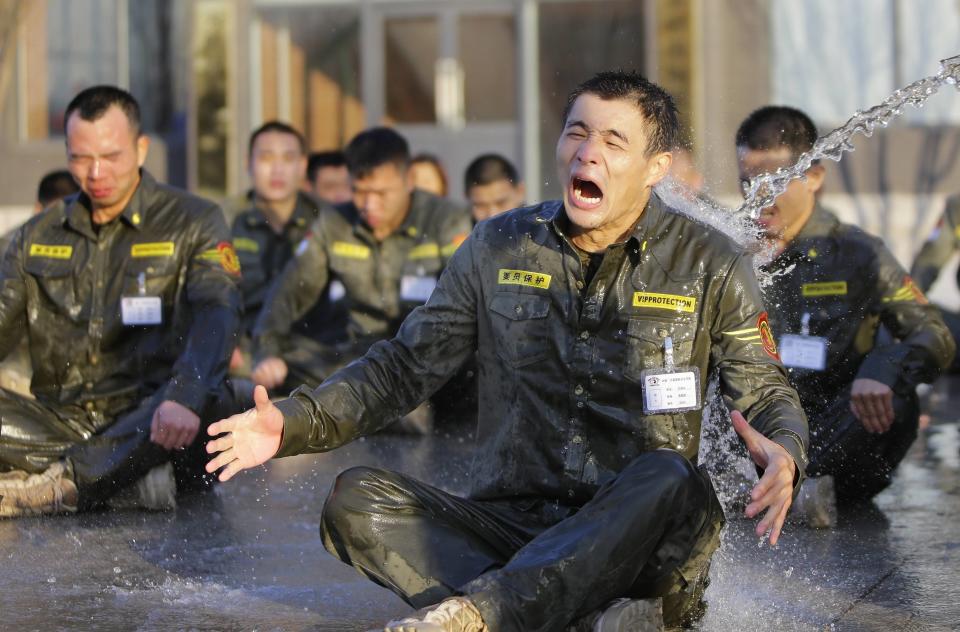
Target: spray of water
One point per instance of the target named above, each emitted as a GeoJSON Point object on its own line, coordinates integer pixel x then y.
{"type": "Point", "coordinates": [763, 190]}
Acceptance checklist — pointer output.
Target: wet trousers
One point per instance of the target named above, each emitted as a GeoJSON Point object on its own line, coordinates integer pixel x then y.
{"type": "Point", "coordinates": [107, 443]}
{"type": "Point", "coordinates": [533, 565]}
{"type": "Point", "coordinates": [861, 463]}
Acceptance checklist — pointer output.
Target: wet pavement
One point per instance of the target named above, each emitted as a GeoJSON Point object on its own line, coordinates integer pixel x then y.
{"type": "Point", "coordinates": [248, 556]}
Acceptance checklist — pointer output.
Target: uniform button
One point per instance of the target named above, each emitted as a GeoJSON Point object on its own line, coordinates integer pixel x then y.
{"type": "Point", "coordinates": [578, 389]}
{"type": "Point", "coordinates": [100, 284]}
{"type": "Point", "coordinates": [579, 285]}
{"type": "Point", "coordinates": [88, 386]}
{"type": "Point", "coordinates": [89, 406]}
{"type": "Point", "coordinates": [94, 359]}
{"type": "Point", "coordinates": [518, 309]}
{"type": "Point", "coordinates": [584, 335]}
{"type": "Point", "coordinates": [579, 404]}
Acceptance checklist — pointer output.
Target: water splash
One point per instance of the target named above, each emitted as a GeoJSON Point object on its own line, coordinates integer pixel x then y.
{"type": "Point", "coordinates": [763, 190]}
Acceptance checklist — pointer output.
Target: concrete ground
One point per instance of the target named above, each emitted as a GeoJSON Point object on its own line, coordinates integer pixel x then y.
{"type": "Point", "coordinates": [248, 557]}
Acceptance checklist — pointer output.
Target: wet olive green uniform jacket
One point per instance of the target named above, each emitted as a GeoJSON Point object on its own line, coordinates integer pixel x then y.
{"type": "Point", "coordinates": [848, 282]}
{"type": "Point", "coordinates": [62, 281]}
{"type": "Point", "coordinates": [264, 253]}
{"type": "Point", "coordinates": [939, 247]}
{"type": "Point", "coordinates": [559, 365]}
{"type": "Point", "coordinates": [381, 281]}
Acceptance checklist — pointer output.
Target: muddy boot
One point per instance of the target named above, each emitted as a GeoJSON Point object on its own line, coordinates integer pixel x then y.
{"type": "Point", "coordinates": [52, 491]}
{"type": "Point", "coordinates": [156, 491]}
{"type": "Point", "coordinates": [624, 615]}
{"type": "Point", "coordinates": [456, 614]}
{"type": "Point", "coordinates": [816, 504]}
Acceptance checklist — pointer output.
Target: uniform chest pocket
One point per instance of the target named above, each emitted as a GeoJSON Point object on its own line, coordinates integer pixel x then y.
{"type": "Point", "coordinates": [645, 345]}
{"type": "Point", "coordinates": [150, 278]}
{"type": "Point", "coordinates": [520, 327]}
{"type": "Point", "coordinates": [56, 284]}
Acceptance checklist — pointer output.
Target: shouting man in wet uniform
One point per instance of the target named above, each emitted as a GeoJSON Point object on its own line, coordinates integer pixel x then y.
{"type": "Point", "coordinates": [597, 321]}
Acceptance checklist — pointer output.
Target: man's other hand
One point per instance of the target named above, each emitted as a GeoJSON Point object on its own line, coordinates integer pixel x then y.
{"type": "Point", "coordinates": [872, 404]}
{"type": "Point", "coordinates": [249, 438]}
{"type": "Point", "coordinates": [774, 491]}
{"type": "Point", "coordinates": [270, 372]}
{"type": "Point", "coordinates": [174, 425]}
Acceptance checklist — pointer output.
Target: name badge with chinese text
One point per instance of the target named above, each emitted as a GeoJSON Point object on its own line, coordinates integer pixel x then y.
{"type": "Point", "coordinates": [141, 309]}
{"type": "Point", "coordinates": [670, 389]}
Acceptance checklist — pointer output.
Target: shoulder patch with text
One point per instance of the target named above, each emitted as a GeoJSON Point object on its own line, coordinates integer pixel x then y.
{"type": "Point", "coordinates": [825, 288]}
{"type": "Point", "coordinates": [669, 302]}
{"type": "Point", "coordinates": [523, 277]}
{"type": "Point", "coordinates": [350, 251]}
{"type": "Point", "coordinates": [51, 252]}
{"type": "Point", "coordinates": [154, 249]}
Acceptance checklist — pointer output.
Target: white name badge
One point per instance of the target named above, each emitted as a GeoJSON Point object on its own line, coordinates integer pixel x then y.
{"type": "Point", "coordinates": [141, 310]}
{"type": "Point", "coordinates": [417, 288]}
{"type": "Point", "coordinates": [336, 291]}
{"type": "Point", "coordinates": [670, 391]}
{"type": "Point", "coordinates": [803, 352]}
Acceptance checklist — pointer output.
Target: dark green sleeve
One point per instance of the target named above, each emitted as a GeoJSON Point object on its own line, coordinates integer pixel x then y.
{"type": "Point", "coordinates": [13, 295]}
{"type": "Point", "coordinates": [395, 375]}
{"type": "Point", "coordinates": [214, 308]}
{"type": "Point", "coordinates": [293, 293]}
{"type": "Point", "coordinates": [752, 378]}
{"type": "Point", "coordinates": [923, 345]}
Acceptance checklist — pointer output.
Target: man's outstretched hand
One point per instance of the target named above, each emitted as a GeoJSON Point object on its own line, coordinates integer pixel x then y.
{"type": "Point", "coordinates": [774, 491]}
{"type": "Point", "coordinates": [249, 438]}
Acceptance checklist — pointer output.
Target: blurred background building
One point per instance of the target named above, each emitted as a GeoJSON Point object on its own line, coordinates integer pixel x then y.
{"type": "Point", "coordinates": [462, 77]}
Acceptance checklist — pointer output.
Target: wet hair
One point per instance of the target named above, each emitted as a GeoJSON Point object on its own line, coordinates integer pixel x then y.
{"type": "Point", "coordinates": [375, 147]}
{"type": "Point", "coordinates": [774, 126]}
{"type": "Point", "coordinates": [322, 159]}
{"type": "Point", "coordinates": [433, 161]}
{"type": "Point", "coordinates": [487, 169]}
{"type": "Point", "coordinates": [93, 103]}
{"type": "Point", "coordinates": [54, 186]}
{"type": "Point", "coordinates": [282, 128]}
{"type": "Point", "coordinates": [655, 104]}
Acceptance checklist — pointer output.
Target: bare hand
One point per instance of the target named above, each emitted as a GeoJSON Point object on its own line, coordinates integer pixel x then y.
{"type": "Point", "coordinates": [173, 425]}
{"type": "Point", "coordinates": [250, 438]}
{"type": "Point", "coordinates": [774, 491]}
{"type": "Point", "coordinates": [236, 359]}
{"type": "Point", "coordinates": [270, 372]}
{"type": "Point", "coordinates": [872, 404]}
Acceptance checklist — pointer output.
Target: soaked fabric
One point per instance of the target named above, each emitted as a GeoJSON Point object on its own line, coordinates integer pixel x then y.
{"type": "Point", "coordinates": [560, 374]}
{"type": "Point", "coordinates": [861, 463]}
{"type": "Point", "coordinates": [101, 363]}
{"type": "Point", "coordinates": [526, 564]}
{"type": "Point", "coordinates": [577, 496]}
{"type": "Point", "coordinates": [848, 284]}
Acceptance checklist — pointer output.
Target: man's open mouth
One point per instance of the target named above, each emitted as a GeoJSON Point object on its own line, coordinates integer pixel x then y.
{"type": "Point", "coordinates": [586, 192]}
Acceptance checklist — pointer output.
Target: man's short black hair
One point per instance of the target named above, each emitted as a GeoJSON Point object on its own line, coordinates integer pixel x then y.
{"type": "Point", "coordinates": [655, 103]}
{"type": "Point", "coordinates": [92, 103]}
{"type": "Point", "coordinates": [487, 169]}
{"type": "Point", "coordinates": [321, 159]}
{"type": "Point", "coordinates": [774, 126]}
{"type": "Point", "coordinates": [375, 147]}
{"type": "Point", "coordinates": [277, 126]}
{"type": "Point", "coordinates": [54, 186]}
